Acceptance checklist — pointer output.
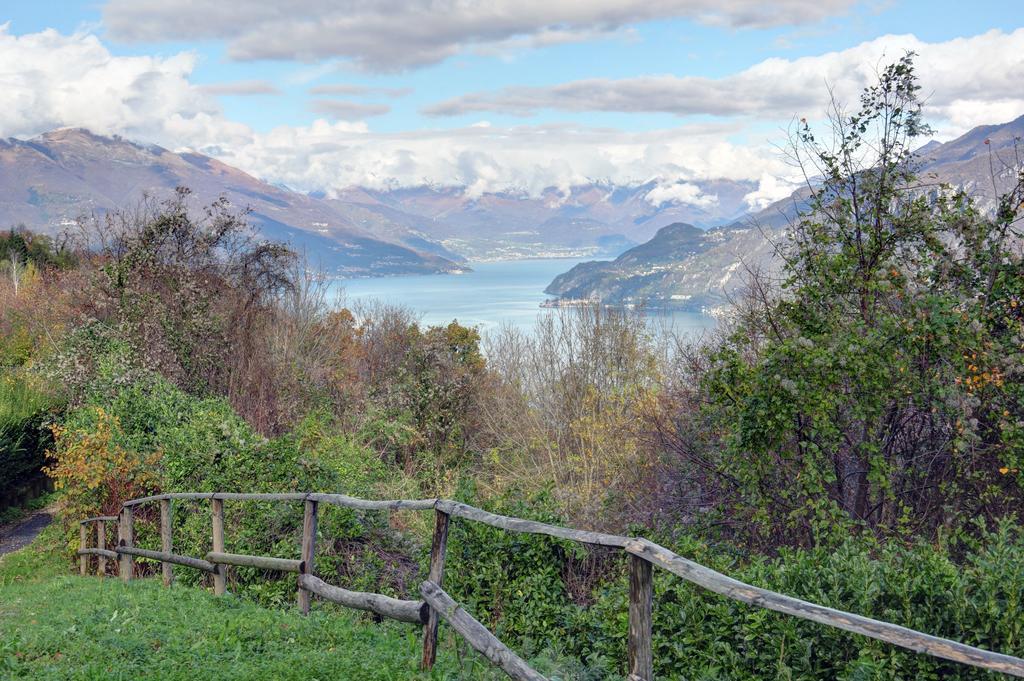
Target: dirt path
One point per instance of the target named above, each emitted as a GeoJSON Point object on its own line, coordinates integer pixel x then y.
{"type": "Point", "coordinates": [20, 534]}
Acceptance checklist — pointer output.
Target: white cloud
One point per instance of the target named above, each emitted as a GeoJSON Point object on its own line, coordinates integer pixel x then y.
{"type": "Point", "coordinates": [241, 88]}
{"type": "Point", "coordinates": [346, 110]}
{"type": "Point", "coordinates": [771, 188]}
{"type": "Point", "coordinates": [970, 81]}
{"type": "Point", "coordinates": [530, 159]}
{"type": "Point", "coordinates": [398, 34]}
{"type": "Point", "coordinates": [50, 80]}
{"type": "Point", "coordinates": [680, 192]}
{"type": "Point", "coordinates": [350, 90]}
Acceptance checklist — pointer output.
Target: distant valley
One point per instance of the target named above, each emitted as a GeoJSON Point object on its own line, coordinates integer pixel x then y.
{"type": "Point", "coordinates": [597, 219]}
{"type": "Point", "coordinates": [668, 254]}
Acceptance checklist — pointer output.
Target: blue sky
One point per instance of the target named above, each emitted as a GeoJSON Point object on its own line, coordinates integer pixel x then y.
{"type": "Point", "coordinates": [631, 79]}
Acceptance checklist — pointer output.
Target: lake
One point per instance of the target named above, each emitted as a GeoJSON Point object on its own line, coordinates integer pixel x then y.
{"type": "Point", "coordinates": [494, 293]}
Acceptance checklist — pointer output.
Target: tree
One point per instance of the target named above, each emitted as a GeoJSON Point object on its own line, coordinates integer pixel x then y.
{"type": "Point", "coordinates": [192, 292]}
{"type": "Point", "coordinates": [855, 398]}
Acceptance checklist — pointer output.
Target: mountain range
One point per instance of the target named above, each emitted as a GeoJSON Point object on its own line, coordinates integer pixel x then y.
{"type": "Point", "coordinates": [674, 254]}
{"type": "Point", "coordinates": [50, 181]}
{"type": "Point", "coordinates": [684, 267]}
{"type": "Point", "coordinates": [596, 218]}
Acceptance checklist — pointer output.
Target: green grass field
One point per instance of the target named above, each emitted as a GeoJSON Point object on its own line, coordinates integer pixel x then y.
{"type": "Point", "coordinates": [55, 625]}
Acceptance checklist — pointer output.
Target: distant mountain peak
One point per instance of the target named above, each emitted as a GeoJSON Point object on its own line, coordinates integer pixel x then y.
{"type": "Point", "coordinates": [678, 229]}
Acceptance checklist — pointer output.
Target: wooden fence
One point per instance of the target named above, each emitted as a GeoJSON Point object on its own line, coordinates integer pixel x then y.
{"type": "Point", "coordinates": [438, 605]}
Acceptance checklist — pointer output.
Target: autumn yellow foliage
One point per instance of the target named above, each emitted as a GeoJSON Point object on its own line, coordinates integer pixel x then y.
{"type": "Point", "coordinates": [95, 473]}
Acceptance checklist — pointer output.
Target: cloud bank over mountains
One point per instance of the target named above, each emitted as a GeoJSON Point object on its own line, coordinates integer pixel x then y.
{"type": "Point", "coordinates": [53, 80]}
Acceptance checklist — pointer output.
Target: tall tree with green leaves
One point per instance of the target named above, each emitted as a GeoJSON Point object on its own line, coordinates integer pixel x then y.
{"type": "Point", "coordinates": [878, 388]}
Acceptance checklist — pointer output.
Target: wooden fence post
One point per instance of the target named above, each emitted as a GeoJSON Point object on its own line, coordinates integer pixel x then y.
{"type": "Point", "coordinates": [309, 521]}
{"type": "Point", "coordinates": [166, 542]}
{"type": "Point", "coordinates": [437, 553]}
{"type": "Point", "coordinates": [101, 543]}
{"type": "Point", "coordinates": [83, 544]}
{"type": "Point", "coordinates": [641, 597]}
{"type": "Point", "coordinates": [219, 581]}
{"type": "Point", "coordinates": [126, 537]}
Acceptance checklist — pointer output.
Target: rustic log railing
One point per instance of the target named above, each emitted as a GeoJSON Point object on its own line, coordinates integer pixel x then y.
{"type": "Point", "coordinates": [438, 605]}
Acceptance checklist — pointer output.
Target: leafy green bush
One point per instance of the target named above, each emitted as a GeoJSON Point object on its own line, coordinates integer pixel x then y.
{"type": "Point", "coordinates": [519, 585]}
{"type": "Point", "coordinates": [512, 582]}
{"type": "Point", "coordinates": [202, 445]}
{"type": "Point", "coordinates": [880, 388]}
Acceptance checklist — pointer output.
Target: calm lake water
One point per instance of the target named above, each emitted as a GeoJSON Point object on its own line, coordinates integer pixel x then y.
{"type": "Point", "coordinates": [494, 293]}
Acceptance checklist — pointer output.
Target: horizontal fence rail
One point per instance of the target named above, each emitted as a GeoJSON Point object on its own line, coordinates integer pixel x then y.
{"type": "Point", "coordinates": [438, 605]}
{"type": "Point", "coordinates": [264, 562]}
{"type": "Point", "coordinates": [187, 561]}
{"type": "Point", "coordinates": [414, 612]}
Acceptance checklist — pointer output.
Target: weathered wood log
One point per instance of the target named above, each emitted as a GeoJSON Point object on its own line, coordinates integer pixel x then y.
{"type": "Point", "coordinates": [169, 495]}
{"type": "Point", "coordinates": [438, 550]}
{"type": "Point", "coordinates": [476, 634]}
{"type": "Point", "coordinates": [103, 553]}
{"type": "Point", "coordinates": [529, 526]}
{"type": "Point", "coordinates": [96, 519]}
{"type": "Point", "coordinates": [166, 543]}
{"type": "Point", "coordinates": [375, 505]}
{"type": "Point", "coordinates": [333, 499]}
{"type": "Point", "coordinates": [220, 575]}
{"type": "Point", "coordinates": [83, 544]}
{"type": "Point", "coordinates": [641, 595]}
{"type": "Point", "coordinates": [414, 612]}
{"type": "Point", "coordinates": [101, 543]}
{"type": "Point", "coordinates": [309, 522]}
{"type": "Point", "coordinates": [263, 562]}
{"type": "Point", "coordinates": [188, 561]}
{"type": "Point", "coordinates": [126, 537]}
{"type": "Point", "coordinates": [883, 631]}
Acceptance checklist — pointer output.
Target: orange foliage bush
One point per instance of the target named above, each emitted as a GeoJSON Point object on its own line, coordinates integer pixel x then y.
{"type": "Point", "coordinates": [95, 473]}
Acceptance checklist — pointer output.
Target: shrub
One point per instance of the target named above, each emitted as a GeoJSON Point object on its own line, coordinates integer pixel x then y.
{"type": "Point", "coordinates": [147, 435]}
{"type": "Point", "coordinates": [880, 389]}
{"type": "Point", "coordinates": [93, 470]}
{"type": "Point", "coordinates": [522, 587]}
{"type": "Point", "coordinates": [24, 437]}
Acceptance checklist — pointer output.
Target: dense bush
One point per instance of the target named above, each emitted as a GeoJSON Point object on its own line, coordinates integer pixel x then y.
{"type": "Point", "coordinates": [25, 413]}
{"type": "Point", "coordinates": [147, 435]}
{"type": "Point", "coordinates": [521, 586]}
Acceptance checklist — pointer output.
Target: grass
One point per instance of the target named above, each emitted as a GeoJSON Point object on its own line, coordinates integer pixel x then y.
{"type": "Point", "coordinates": [54, 625]}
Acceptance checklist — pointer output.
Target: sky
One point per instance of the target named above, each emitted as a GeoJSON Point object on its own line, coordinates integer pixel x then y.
{"type": "Point", "coordinates": [504, 95]}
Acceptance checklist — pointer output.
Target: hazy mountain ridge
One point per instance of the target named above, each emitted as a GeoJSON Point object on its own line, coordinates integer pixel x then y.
{"type": "Point", "coordinates": [588, 219]}
{"type": "Point", "coordinates": [49, 181]}
{"type": "Point", "coordinates": [687, 268]}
